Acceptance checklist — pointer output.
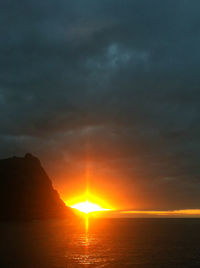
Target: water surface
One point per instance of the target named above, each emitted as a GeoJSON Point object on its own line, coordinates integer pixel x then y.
{"type": "Point", "coordinates": [106, 243]}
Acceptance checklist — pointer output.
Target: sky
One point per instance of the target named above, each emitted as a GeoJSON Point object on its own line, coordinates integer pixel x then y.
{"type": "Point", "coordinates": [105, 92]}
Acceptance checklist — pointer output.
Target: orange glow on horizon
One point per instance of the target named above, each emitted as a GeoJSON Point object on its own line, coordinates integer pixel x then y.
{"type": "Point", "coordinates": [182, 212]}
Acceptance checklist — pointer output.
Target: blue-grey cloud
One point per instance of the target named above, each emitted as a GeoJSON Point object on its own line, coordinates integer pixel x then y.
{"type": "Point", "coordinates": [117, 78]}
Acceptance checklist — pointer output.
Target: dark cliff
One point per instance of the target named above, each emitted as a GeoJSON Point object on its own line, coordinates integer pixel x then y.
{"type": "Point", "coordinates": [26, 192]}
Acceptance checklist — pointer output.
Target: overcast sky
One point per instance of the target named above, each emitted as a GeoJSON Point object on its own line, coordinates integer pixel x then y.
{"type": "Point", "coordinates": [110, 84]}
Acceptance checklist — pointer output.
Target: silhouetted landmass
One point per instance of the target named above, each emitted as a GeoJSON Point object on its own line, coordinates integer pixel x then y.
{"type": "Point", "coordinates": [26, 192]}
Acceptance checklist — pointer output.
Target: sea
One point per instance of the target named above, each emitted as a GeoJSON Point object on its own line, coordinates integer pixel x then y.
{"type": "Point", "coordinates": [137, 243]}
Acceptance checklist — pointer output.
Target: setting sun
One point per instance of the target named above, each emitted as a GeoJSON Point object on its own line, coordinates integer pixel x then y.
{"type": "Point", "coordinates": [88, 203]}
{"type": "Point", "coordinates": [88, 207]}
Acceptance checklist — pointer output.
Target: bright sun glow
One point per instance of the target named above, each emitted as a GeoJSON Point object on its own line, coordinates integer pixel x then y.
{"type": "Point", "coordinates": [88, 207]}
{"type": "Point", "coordinates": [88, 203]}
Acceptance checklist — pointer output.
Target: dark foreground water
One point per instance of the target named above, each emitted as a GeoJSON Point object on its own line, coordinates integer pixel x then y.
{"type": "Point", "coordinates": [107, 243]}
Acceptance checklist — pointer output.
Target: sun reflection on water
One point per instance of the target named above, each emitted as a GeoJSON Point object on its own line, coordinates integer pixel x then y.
{"type": "Point", "coordinates": [86, 237]}
{"type": "Point", "coordinates": [85, 248]}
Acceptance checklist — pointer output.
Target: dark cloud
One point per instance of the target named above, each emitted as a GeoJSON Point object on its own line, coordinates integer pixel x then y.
{"type": "Point", "coordinates": [116, 81]}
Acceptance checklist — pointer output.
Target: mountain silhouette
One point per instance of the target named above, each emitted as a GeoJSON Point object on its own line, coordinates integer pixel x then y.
{"type": "Point", "coordinates": [26, 192]}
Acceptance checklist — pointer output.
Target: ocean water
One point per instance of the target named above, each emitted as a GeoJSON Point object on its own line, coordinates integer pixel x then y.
{"type": "Point", "coordinates": [105, 243]}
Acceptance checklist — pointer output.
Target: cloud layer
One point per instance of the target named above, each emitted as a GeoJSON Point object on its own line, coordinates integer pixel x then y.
{"type": "Point", "coordinates": [112, 81]}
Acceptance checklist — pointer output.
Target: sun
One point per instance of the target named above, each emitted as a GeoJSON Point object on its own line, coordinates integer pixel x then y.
{"type": "Point", "coordinates": [88, 207]}
{"type": "Point", "coordinates": [88, 203]}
